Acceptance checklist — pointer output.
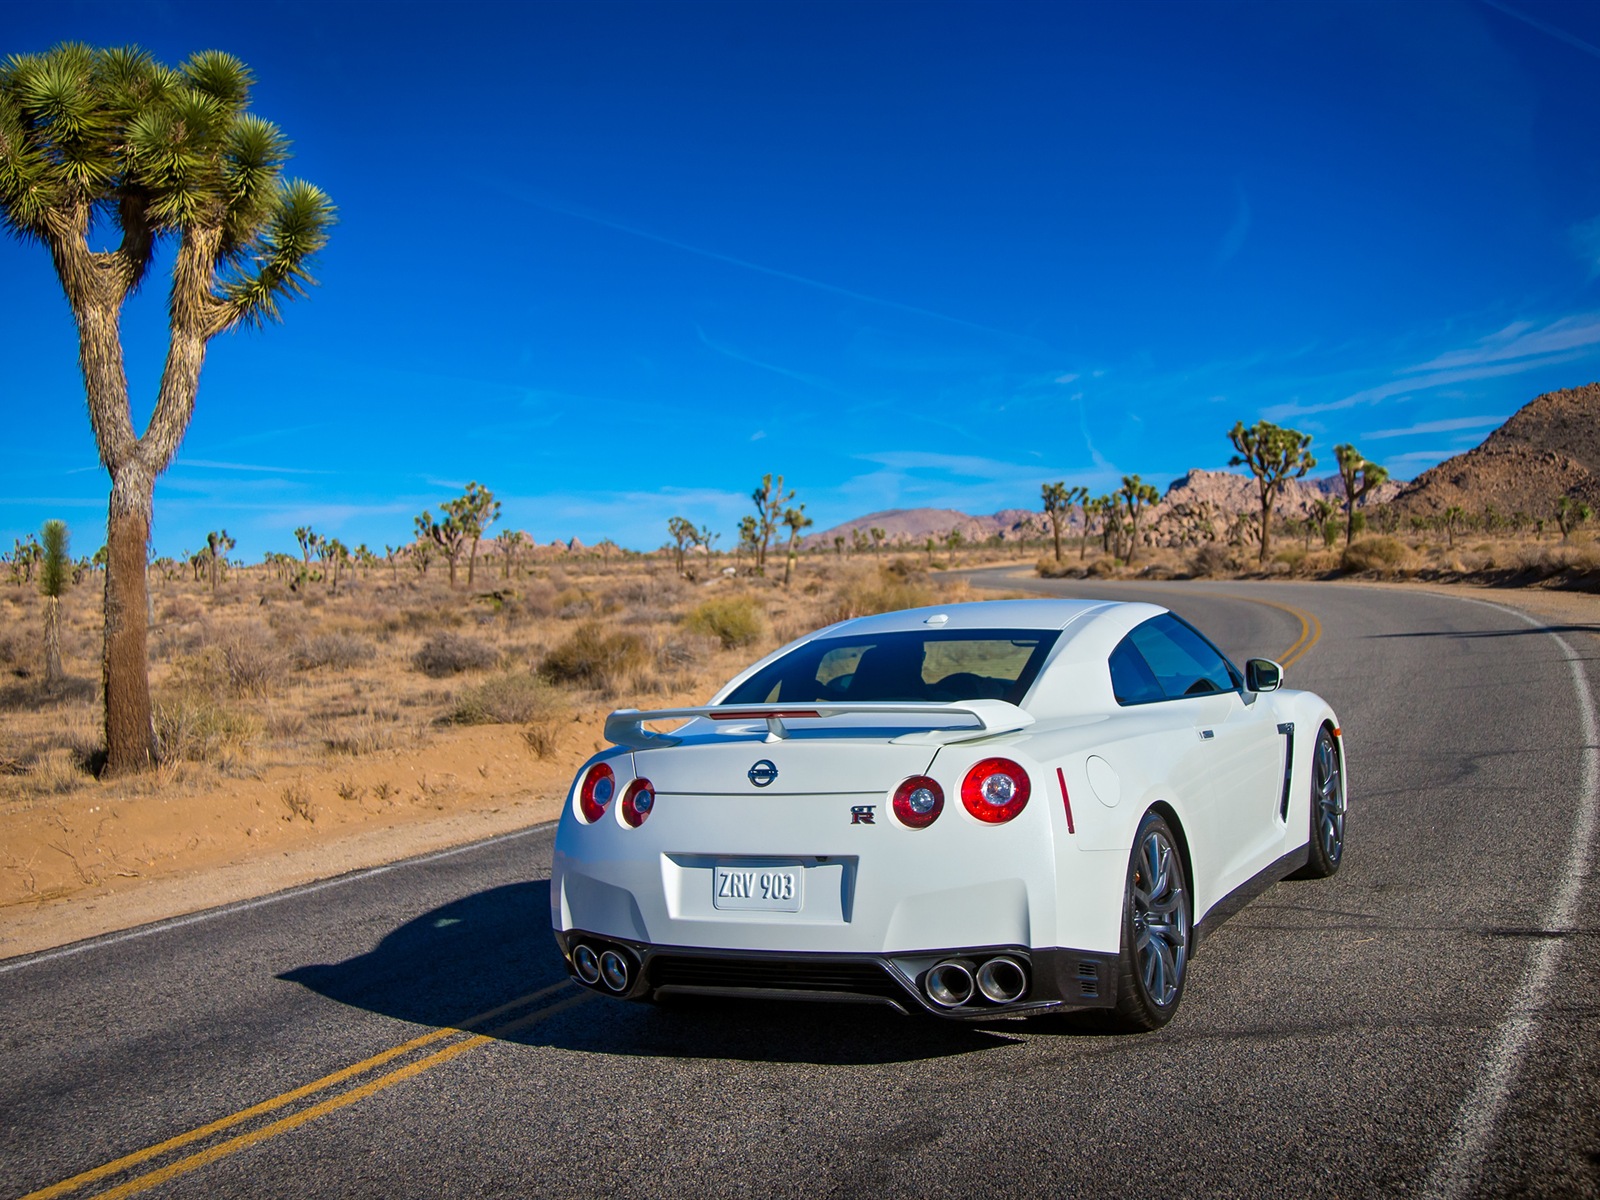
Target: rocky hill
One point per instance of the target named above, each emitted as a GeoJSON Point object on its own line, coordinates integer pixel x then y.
{"type": "Point", "coordinates": [1548, 449]}
{"type": "Point", "coordinates": [1195, 503]}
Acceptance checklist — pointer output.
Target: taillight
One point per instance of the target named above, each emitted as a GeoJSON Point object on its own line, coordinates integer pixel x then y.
{"type": "Point", "coordinates": [918, 802]}
{"type": "Point", "coordinates": [599, 786]}
{"type": "Point", "coordinates": [637, 802]}
{"type": "Point", "coordinates": [995, 790]}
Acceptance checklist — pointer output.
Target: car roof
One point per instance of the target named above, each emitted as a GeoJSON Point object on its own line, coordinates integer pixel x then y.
{"type": "Point", "coordinates": [979, 614]}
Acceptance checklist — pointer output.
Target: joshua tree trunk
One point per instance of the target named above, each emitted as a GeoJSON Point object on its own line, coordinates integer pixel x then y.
{"type": "Point", "coordinates": [472, 561]}
{"type": "Point", "coordinates": [130, 733]}
{"type": "Point", "coordinates": [1266, 522]}
{"type": "Point", "coordinates": [52, 641]}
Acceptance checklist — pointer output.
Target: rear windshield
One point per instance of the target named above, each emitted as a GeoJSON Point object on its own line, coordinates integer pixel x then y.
{"type": "Point", "coordinates": [936, 666]}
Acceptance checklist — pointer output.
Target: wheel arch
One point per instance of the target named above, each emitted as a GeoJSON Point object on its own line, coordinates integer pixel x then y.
{"type": "Point", "coordinates": [1174, 823]}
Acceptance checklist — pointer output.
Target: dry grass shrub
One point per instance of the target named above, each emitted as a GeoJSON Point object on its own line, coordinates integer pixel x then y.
{"type": "Point", "coordinates": [340, 651]}
{"type": "Point", "coordinates": [732, 620]}
{"type": "Point", "coordinates": [253, 662]}
{"type": "Point", "coordinates": [884, 590]}
{"type": "Point", "coordinates": [515, 698]}
{"type": "Point", "coordinates": [1211, 559]}
{"type": "Point", "coordinates": [369, 731]}
{"type": "Point", "coordinates": [1382, 554]}
{"type": "Point", "coordinates": [194, 725]}
{"type": "Point", "coordinates": [592, 656]}
{"type": "Point", "coordinates": [447, 653]}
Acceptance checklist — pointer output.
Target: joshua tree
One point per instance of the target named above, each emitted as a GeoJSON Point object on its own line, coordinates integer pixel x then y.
{"type": "Point", "coordinates": [1135, 494]}
{"type": "Point", "coordinates": [53, 583]}
{"type": "Point", "coordinates": [91, 137]}
{"type": "Point", "coordinates": [705, 539]}
{"type": "Point", "coordinates": [682, 532]}
{"type": "Point", "coordinates": [218, 543]}
{"type": "Point", "coordinates": [391, 555]}
{"type": "Point", "coordinates": [748, 532]}
{"type": "Point", "coordinates": [1056, 506]}
{"type": "Point", "coordinates": [1570, 514]}
{"type": "Point", "coordinates": [308, 540]}
{"type": "Point", "coordinates": [449, 535]}
{"type": "Point", "coordinates": [336, 556]}
{"type": "Point", "coordinates": [507, 542]}
{"type": "Point", "coordinates": [1360, 477]}
{"type": "Point", "coordinates": [858, 540]}
{"type": "Point", "coordinates": [1321, 513]}
{"type": "Point", "coordinates": [1452, 519]}
{"type": "Point", "coordinates": [474, 511]}
{"type": "Point", "coordinates": [953, 540]}
{"type": "Point", "coordinates": [794, 520]}
{"type": "Point", "coordinates": [838, 545]}
{"type": "Point", "coordinates": [877, 536]}
{"type": "Point", "coordinates": [421, 550]}
{"type": "Point", "coordinates": [771, 503]}
{"type": "Point", "coordinates": [1274, 456]}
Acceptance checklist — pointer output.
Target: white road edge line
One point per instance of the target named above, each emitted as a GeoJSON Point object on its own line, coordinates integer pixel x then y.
{"type": "Point", "coordinates": [304, 889]}
{"type": "Point", "coordinates": [1467, 1145]}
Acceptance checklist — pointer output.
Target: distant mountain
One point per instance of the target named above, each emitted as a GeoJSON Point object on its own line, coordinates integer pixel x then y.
{"type": "Point", "coordinates": [1548, 449]}
{"type": "Point", "coordinates": [1194, 500]}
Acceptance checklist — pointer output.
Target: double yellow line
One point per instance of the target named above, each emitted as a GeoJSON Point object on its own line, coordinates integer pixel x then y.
{"type": "Point", "coordinates": [1310, 626]}
{"type": "Point", "coordinates": [465, 1039]}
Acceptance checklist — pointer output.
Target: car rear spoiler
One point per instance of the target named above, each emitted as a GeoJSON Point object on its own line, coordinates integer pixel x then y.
{"type": "Point", "coordinates": [625, 727]}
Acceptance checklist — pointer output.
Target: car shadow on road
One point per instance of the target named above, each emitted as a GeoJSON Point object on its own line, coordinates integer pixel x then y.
{"type": "Point", "coordinates": [494, 947]}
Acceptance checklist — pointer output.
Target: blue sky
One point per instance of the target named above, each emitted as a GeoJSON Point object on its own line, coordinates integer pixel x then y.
{"type": "Point", "coordinates": [615, 261]}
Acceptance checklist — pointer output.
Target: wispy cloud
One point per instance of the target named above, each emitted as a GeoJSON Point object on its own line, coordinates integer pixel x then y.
{"type": "Point", "coordinates": [1233, 240]}
{"type": "Point", "coordinates": [1517, 348]}
{"type": "Point", "coordinates": [775, 272]}
{"type": "Point", "coordinates": [1413, 458]}
{"type": "Point", "coordinates": [212, 465]}
{"type": "Point", "coordinates": [1450, 426]}
{"type": "Point", "coordinates": [1520, 341]}
{"type": "Point", "coordinates": [815, 381]}
{"type": "Point", "coordinates": [1561, 35]}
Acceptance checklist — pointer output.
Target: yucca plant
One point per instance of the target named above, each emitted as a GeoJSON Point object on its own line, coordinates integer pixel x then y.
{"type": "Point", "coordinates": [110, 137]}
{"type": "Point", "coordinates": [54, 565]}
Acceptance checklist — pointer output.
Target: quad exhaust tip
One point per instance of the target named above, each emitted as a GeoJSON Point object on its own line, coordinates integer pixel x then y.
{"type": "Point", "coordinates": [1002, 980]}
{"type": "Point", "coordinates": [615, 971]}
{"type": "Point", "coordinates": [586, 963]}
{"type": "Point", "coordinates": [949, 984]}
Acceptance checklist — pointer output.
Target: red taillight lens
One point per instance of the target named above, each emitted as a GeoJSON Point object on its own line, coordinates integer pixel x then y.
{"type": "Point", "coordinates": [638, 802]}
{"type": "Point", "coordinates": [918, 802]}
{"type": "Point", "coordinates": [995, 790]}
{"type": "Point", "coordinates": [599, 786]}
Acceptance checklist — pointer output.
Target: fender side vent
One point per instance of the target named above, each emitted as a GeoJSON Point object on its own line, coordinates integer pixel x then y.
{"type": "Point", "coordinates": [1089, 979]}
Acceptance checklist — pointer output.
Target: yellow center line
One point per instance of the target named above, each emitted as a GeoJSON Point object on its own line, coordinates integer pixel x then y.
{"type": "Point", "coordinates": [276, 1102]}
{"type": "Point", "coordinates": [372, 1087]}
{"type": "Point", "coordinates": [1310, 626]}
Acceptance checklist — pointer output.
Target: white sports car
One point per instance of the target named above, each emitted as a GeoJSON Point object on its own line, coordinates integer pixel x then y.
{"type": "Point", "coordinates": [977, 810]}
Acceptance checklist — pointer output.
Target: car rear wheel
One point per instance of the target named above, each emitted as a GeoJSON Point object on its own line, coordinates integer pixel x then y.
{"type": "Point", "coordinates": [1326, 850]}
{"type": "Point", "coordinates": [1156, 923]}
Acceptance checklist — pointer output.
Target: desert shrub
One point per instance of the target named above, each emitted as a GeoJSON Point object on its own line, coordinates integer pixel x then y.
{"type": "Point", "coordinates": [193, 725]}
{"type": "Point", "coordinates": [1210, 559]}
{"type": "Point", "coordinates": [686, 651]}
{"type": "Point", "coordinates": [57, 770]}
{"type": "Point", "coordinates": [13, 649]}
{"type": "Point", "coordinates": [371, 730]}
{"type": "Point", "coordinates": [452, 653]}
{"type": "Point", "coordinates": [593, 657]}
{"type": "Point", "coordinates": [1103, 568]}
{"type": "Point", "coordinates": [654, 592]}
{"type": "Point", "coordinates": [513, 699]}
{"type": "Point", "coordinates": [252, 660]}
{"type": "Point", "coordinates": [732, 620]}
{"type": "Point", "coordinates": [572, 603]}
{"type": "Point", "coordinates": [1290, 558]}
{"type": "Point", "coordinates": [879, 592]}
{"type": "Point", "coordinates": [340, 651]}
{"type": "Point", "coordinates": [540, 737]}
{"type": "Point", "coordinates": [1373, 554]}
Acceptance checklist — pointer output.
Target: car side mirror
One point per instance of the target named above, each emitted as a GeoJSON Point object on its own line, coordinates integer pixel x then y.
{"type": "Point", "coordinates": [1263, 675]}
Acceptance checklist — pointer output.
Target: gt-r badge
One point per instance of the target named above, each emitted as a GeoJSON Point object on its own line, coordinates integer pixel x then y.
{"type": "Point", "coordinates": [861, 814]}
{"type": "Point", "coordinates": [763, 773]}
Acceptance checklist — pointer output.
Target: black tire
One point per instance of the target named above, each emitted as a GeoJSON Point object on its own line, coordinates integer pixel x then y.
{"type": "Point", "coordinates": [1325, 850]}
{"type": "Point", "coordinates": [1157, 928]}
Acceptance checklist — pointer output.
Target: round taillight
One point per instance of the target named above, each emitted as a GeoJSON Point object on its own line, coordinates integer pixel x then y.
{"type": "Point", "coordinates": [599, 786]}
{"type": "Point", "coordinates": [995, 790]}
{"type": "Point", "coordinates": [918, 802]}
{"type": "Point", "coordinates": [638, 801]}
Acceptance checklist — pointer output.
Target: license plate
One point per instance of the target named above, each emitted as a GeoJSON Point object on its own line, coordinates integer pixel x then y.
{"type": "Point", "coordinates": [769, 888]}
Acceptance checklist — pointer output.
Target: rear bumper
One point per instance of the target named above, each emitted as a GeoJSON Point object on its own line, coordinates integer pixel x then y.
{"type": "Point", "coordinates": [1057, 978]}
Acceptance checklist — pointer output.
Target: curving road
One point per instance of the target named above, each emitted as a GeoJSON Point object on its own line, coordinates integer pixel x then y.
{"type": "Point", "coordinates": [1426, 1022]}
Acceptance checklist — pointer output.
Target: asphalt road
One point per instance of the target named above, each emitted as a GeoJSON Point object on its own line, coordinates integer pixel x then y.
{"type": "Point", "coordinates": [1426, 1022]}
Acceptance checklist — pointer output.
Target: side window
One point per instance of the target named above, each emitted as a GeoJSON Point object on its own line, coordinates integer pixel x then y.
{"type": "Point", "coordinates": [1184, 663]}
{"type": "Point", "coordinates": [1132, 680]}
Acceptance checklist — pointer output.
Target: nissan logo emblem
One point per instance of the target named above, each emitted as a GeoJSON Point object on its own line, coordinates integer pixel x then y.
{"type": "Point", "coordinates": [763, 773]}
